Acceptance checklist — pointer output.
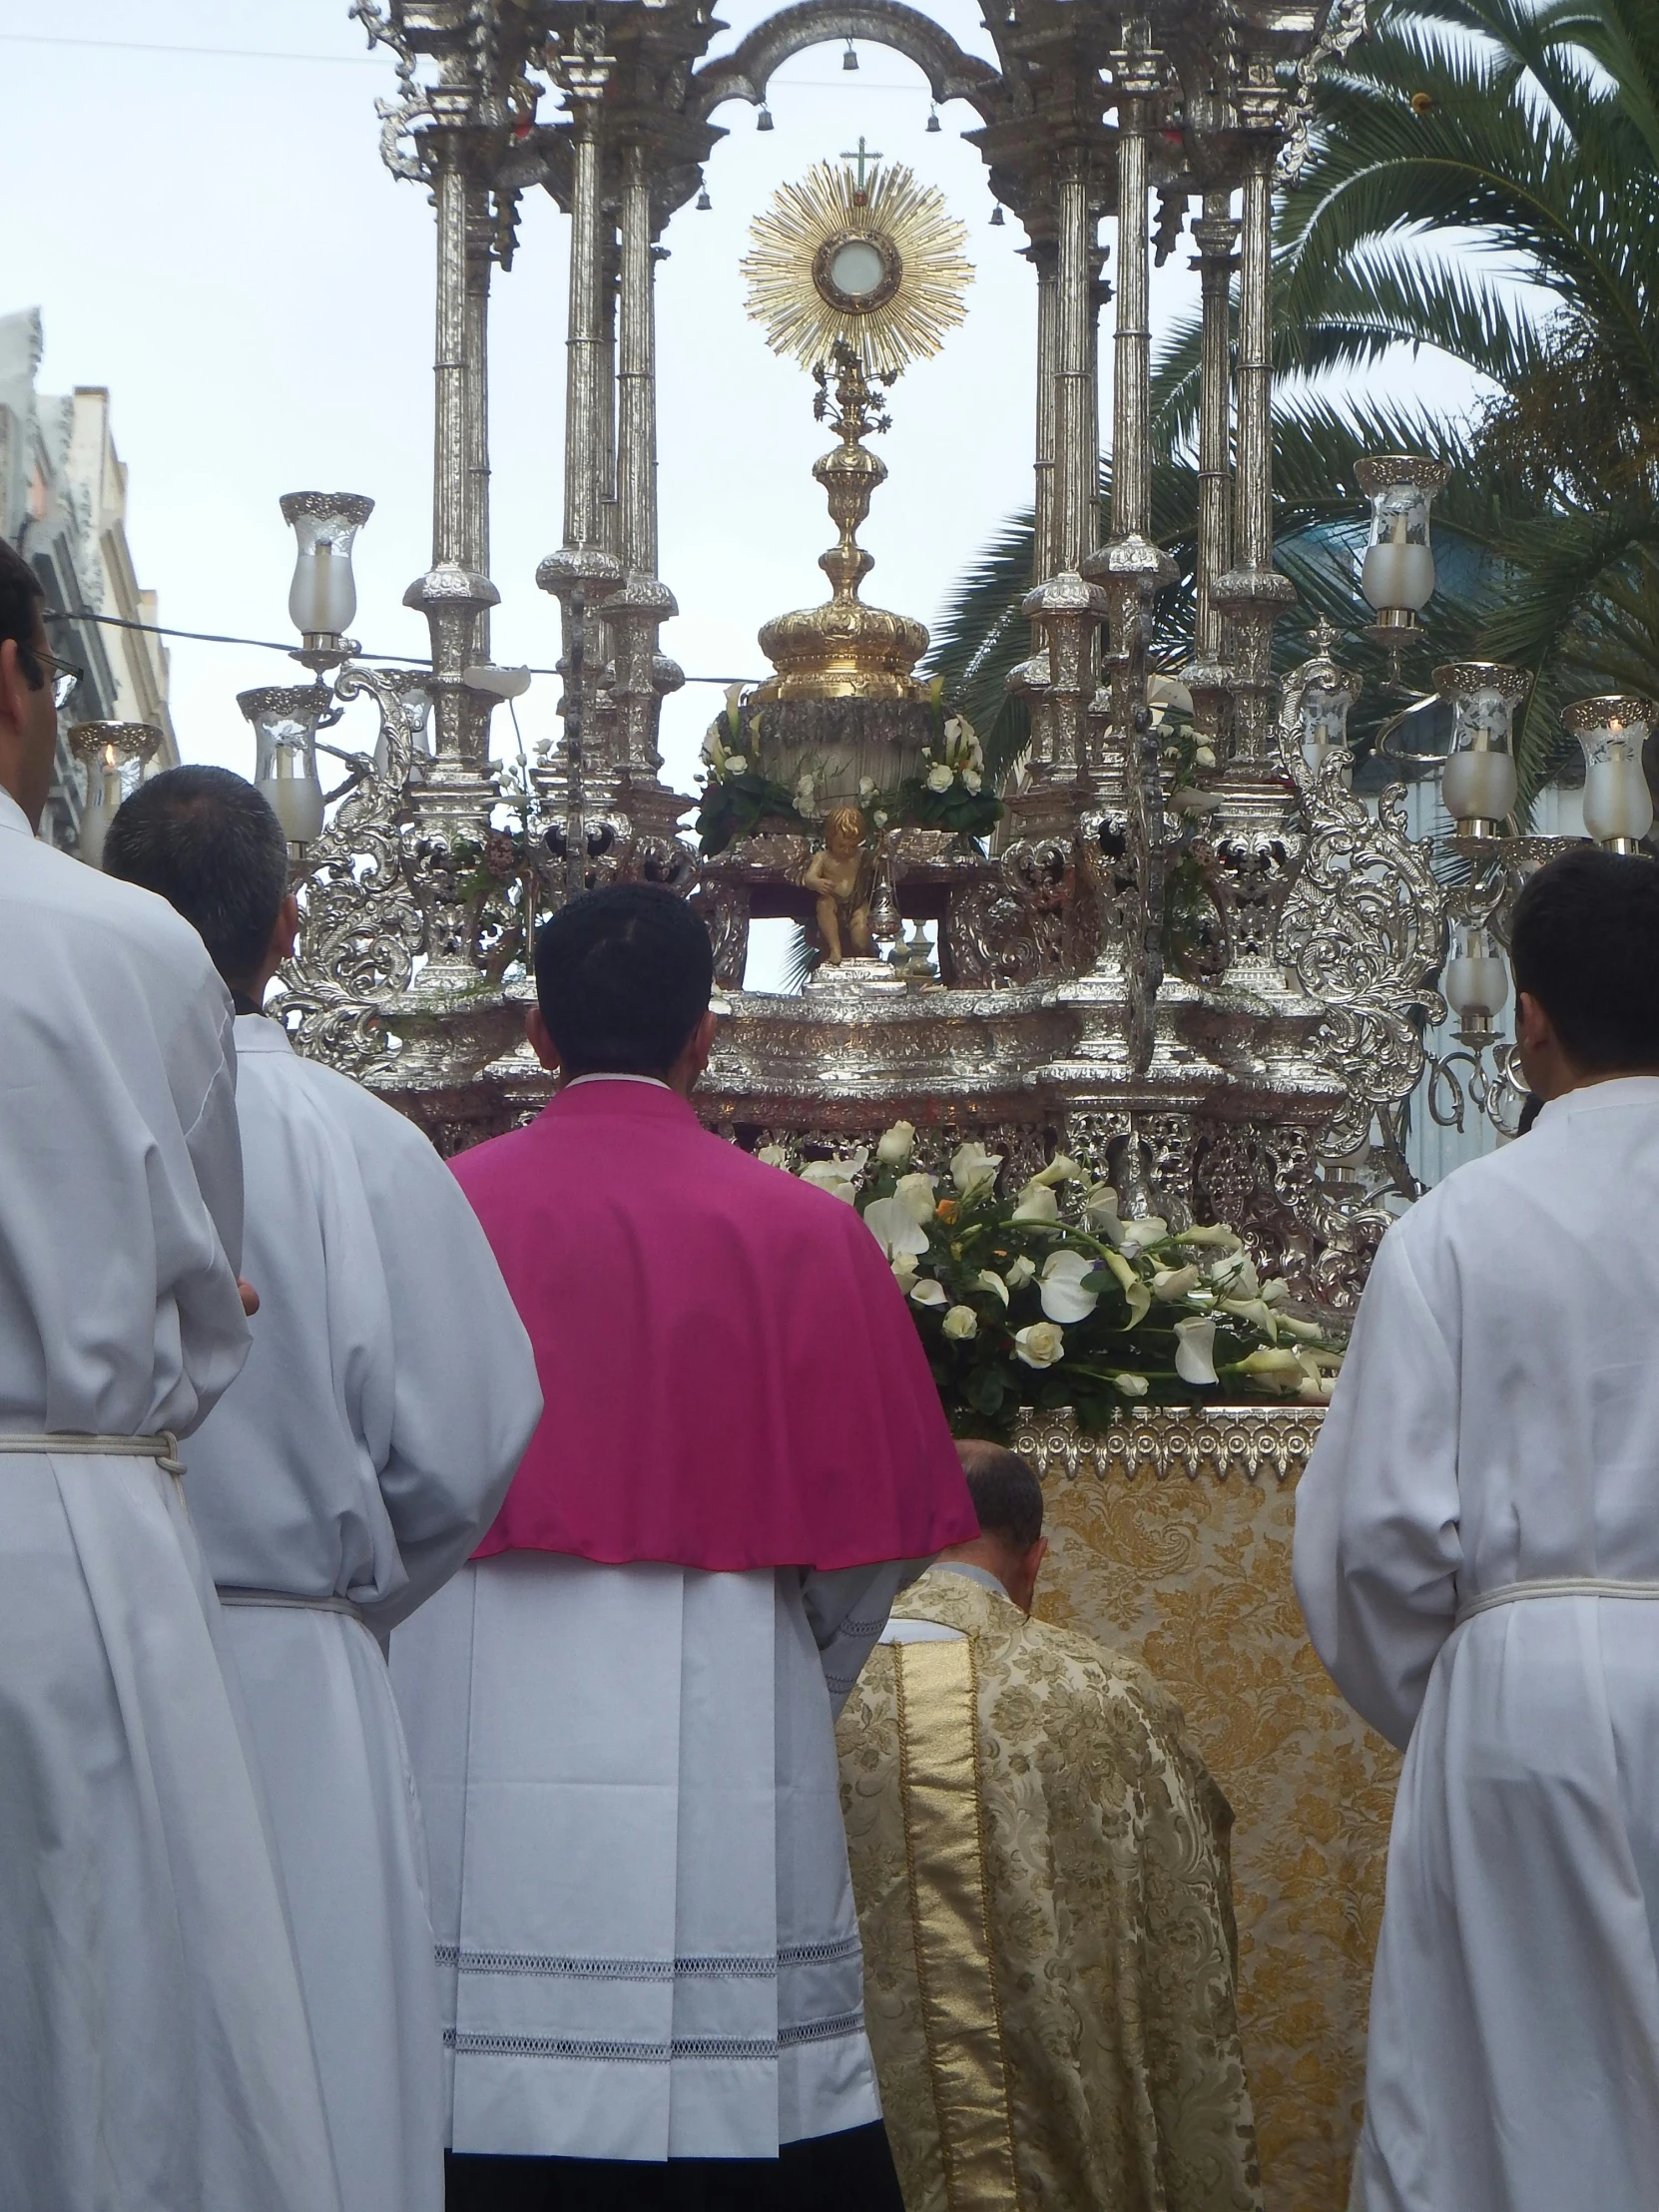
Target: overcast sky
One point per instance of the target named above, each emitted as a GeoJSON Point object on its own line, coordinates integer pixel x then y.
{"type": "Point", "coordinates": [197, 206]}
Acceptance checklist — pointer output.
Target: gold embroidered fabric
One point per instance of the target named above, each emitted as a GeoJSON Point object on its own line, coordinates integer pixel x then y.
{"type": "Point", "coordinates": [936, 1697]}
{"type": "Point", "coordinates": [1192, 1574]}
{"type": "Point", "coordinates": [1111, 1932]}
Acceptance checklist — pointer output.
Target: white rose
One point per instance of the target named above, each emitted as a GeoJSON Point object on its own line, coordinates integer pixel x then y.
{"type": "Point", "coordinates": [1194, 1351]}
{"type": "Point", "coordinates": [1037, 1203]}
{"type": "Point", "coordinates": [736, 763]}
{"type": "Point", "coordinates": [972, 779]}
{"type": "Point", "coordinates": [1203, 756]}
{"type": "Point", "coordinates": [866, 785]}
{"type": "Point", "coordinates": [973, 1170]}
{"type": "Point", "coordinates": [915, 1192]}
{"type": "Point", "coordinates": [894, 1145]}
{"type": "Point", "coordinates": [1131, 1385]}
{"type": "Point", "coordinates": [960, 1322]}
{"type": "Point", "coordinates": [880, 820]}
{"type": "Point", "coordinates": [1040, 1344]}
{"type": "Point", "coordinates": [940, 779]}
{"type": "Point", "coordinates": [930, 1292]}
{"type": "Point", "coordinates": [775, 1155]}
{"type": "Point", "coordinates": [1021, 1272]}
{"type": "Point", "coordinates": [1170, 1284]}
{"type": "Point", "coordinates": [1063, 1293]}
{"type": "Point", "coordinates": [894, 1228]}
{"type": "Point", "coordinates": [989, 1280]}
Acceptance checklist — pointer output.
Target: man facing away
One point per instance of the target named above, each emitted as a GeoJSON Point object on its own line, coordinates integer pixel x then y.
{"type": "Point", "coordinates": [621, 1714]}
{"type": "Point", "coordinates": [1477, 1557]}
{"type": "Point", "coordinates": [154, 2048]}
{"type": "Point", "coordinates": [344, 1476]}
{"type": "Point", "coordinates": [1041, 1860]}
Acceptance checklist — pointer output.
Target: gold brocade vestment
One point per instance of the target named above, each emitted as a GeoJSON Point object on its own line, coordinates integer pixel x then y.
{"type": "Point", "coordinates": [1040, 1860]}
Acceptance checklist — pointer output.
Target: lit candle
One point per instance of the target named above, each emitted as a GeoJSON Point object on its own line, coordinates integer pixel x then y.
{"type": "Point", "coordinates": [103, 798]}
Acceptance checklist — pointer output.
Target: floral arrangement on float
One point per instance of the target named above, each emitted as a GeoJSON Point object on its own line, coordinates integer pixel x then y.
{"type": "Point", "coordinates": [1049, 1298]}
{"type": "Point", "coordinates": [736, 796]}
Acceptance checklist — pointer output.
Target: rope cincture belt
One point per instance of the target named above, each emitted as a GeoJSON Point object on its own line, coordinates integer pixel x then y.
{"type": "Point", "coordinates": [1561, 1585]}
{"type": "Point", "coordinates": [162, 1448]}
{"type": "Point", "coordinates": [231, 1593]}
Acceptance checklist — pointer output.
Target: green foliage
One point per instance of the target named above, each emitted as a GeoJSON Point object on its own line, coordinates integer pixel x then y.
{"type": "Point", "coordinates": [1482, 180]}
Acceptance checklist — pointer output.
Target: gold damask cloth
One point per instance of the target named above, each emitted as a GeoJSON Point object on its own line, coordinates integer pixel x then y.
{"type": "Point", "coordinates": [1108, 1965]}
{"type": "Point", "coordinates": [1191, 1572]}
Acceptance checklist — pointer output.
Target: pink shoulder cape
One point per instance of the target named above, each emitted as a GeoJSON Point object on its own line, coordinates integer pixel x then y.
{"type": "Point", "coordinates": [732, 1378]}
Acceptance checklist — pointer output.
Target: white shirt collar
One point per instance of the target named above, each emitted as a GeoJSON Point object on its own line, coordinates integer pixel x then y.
{"type": "Point", "coordinates": [12, 815]}
{"type": "Point", "coordinates": [576, 1081]}
{"type": "Point", "coordinates": [981, 1576]}
{"type": "Point", "coordinates": [258, 1033]}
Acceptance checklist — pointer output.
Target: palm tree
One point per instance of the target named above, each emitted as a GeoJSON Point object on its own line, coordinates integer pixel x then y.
{"type": "Point", "coordinates": [1532, 132]}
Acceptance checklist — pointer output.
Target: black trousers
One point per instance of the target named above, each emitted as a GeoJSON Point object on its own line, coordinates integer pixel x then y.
{"type": "Point", "coordinates": [849, 2172]}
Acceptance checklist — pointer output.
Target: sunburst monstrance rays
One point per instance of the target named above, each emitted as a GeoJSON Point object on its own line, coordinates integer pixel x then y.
{"type": "Point", "coordinates": [882, 269]}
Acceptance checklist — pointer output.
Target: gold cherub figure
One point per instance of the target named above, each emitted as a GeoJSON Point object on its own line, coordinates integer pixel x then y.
{"type": "Point", "coordinates": [843, 872]}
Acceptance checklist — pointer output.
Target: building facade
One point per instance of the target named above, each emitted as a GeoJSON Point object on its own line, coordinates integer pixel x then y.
{"type": "Point", "coordinates": [63, 504]}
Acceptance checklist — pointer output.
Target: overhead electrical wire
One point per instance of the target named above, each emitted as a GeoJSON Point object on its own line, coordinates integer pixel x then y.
{"type": "Point", "coordinates": [274, 645]}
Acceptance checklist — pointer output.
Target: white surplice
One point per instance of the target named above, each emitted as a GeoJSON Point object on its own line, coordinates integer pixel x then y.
{"type": "Point", "coordinates": [1497, 1425]}
{"type": "Point", "coordinates": [358, 1457]}
{"type": "Point", "coordinates": [154, 2048]}
{"type": "Point", "coordinates": [639, 1868]}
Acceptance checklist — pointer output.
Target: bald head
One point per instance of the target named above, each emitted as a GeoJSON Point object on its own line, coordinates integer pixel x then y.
{"type": "Point", "coordinates": [1008, 1499]}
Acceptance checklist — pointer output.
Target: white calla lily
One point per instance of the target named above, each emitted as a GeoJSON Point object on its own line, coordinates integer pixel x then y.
{"type": "Point", "coordinates": [1130, 1386]}
{"type": "Point", "coordinates": [973, 1170]}
{"type": "Point", "coordinates": [1194, 1351]}
{"type": "Point", "coordinates": [1139, 1235]}
{"type": "Point", "coordinates": [961, 1323]}
{"type": "Point", "coordinates": [915, 1193]}
{"type": "Point", "coordinates": [1134, 1287]}
{"type": "Point", "coordinates": [928, 1292]}
{"type": "Point", "coordinates": [1037, 1203]}
{"type": "Point", "coordinates": [905, 1269]}
{"type": "Point", "coordinates": [989, 1280]}
{"type": "Point", "coordinates": [1100, 1206]}
{"type": "Point", "coordinates": [1020, 1273]}
{"type": "Point", "coordinates": [1303, 1332]}
{"type": "Point", "coordinates": [1062, 1287]}
{"type": "Point", "coordinates": [1169, 1284]}
{"type": "Point", "coordinates": [1254, 1309]}
{"type": "Point", "coordinates": [1210, 1233]}
{"type": "Point", "coordinates": [895, 1146]}
{"type": "Point", "coordinates": [1041, 1345]}
{"type": "Point", "coordinates": [894, 1226]}
{"type": "Point", "coordinates": [775, 1155]}
{"type": "Point", "coordinates": [1059, 1170]}
{"type": "Point", "coordinates": [1277, 1359]}
{"type": "Point", "coordinates": [840, 1177]}
{"type": "Point", "coordinates": [1233, 1273]}
{"type": "Point", "coordinates": [1275, 1288]}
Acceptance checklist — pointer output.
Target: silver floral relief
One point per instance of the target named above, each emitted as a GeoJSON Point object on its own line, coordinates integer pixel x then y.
{"type": "Point", "coordinates": [1361, 932]}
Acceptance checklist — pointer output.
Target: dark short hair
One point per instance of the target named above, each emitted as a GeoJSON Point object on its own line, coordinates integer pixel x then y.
{"type": "Point", "coordinates": [623, 975]}
{"type": "Point", "coordinates": [1585, 944]}
{"type": "Point", "coordinates": [1006, 1493]}
{"type": "Point", "coordinates": [22, 598]}
{"type": "Point", "coordinates": [208, 844]}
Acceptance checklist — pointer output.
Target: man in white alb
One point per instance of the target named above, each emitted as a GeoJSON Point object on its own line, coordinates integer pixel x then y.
{"type": "Point", "coordinates": [344, 1477]}
{"type": "Point", "coordinates": [1477, 1557]}
{"type": "Point", "coordinates": [154, 2048]}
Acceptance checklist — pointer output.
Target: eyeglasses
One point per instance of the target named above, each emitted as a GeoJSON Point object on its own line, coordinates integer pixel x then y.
{"type": "Point", "coordinates": [63, 674]}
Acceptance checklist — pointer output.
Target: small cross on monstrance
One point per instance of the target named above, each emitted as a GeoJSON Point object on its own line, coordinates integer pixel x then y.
{"type": "Point", "coordinates": [862, 156]}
